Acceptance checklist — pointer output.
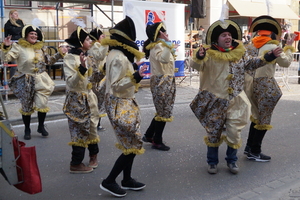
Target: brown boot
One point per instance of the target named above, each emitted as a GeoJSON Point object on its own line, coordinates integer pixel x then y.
{"type": "Point", "coordinates": [93, 162]}
{"type": "Point", "coordinates": [80, 169]}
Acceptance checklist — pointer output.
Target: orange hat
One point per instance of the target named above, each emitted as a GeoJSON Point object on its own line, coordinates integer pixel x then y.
{"type": "Point", "coordinates": [264, 32]}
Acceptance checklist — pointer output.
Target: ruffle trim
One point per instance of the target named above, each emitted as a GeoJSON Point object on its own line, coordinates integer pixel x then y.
{"type": "Point", "coordinates": [153, 44]}
{"type": "Point", "coordinates": [130, 151]}
{"type": "Point", "coordinates": [111, 42]}
{"type": "Point", "coordinates": [102, 115]}
{"type": "Point", "coordinates": [196, 60]}
{"type": "Point", "coordinates": [232, 56]}
{"type": "Point", "coordinates": [22, 42]}
{"type": "Point", "coordinates": [82, 143]}
{"type": "Point", "coordinates": [234, 146]}
{"type": "Point", "coordinates": [26, 113]}
{"type": "Point", "coordinates": [5, 50]}
{"type": "Point", "coordinates": [289, 48]}
{"type": "Point", "coordinates": [260, 127]}
{"type": "Point", "coordinates": [214, 144]}
{"type": "Point", "coordinates": [43, 110]}
{"type": "Point", "coordinates": [163, 119]}
{"type": "Point", "coordinates": [263, 57]}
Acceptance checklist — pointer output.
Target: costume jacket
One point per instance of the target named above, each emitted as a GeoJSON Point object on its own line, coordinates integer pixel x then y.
{"type": "Point", "coordinates": [98, 53]}
{"type": "Point", "coordinates": [31, 83]}
{"type": "Point", "coordinates": [162, 81]}
{"type": "Point", "coordinates": [221, 98]}
{"type": "Point", "coordinates": [81, 102]}
{"type": "Point", "coordinates": [262, 88]}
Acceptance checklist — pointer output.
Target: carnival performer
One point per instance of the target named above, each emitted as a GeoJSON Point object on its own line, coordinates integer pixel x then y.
{"type": "Point", "coordinates": [80, 105]}
{"type": "Point", "coordinates": [161, 53]}
{"type": "Point", "coordinates": [122, 78]}
{"type": "Point", "coordinates": [221, 98]}
{"type": "Point", "coordinates": [98, 52]}
{"type": "Point", "coordinates": [260, 85]}
{"type": "Point", "coordinates": [31, 83]}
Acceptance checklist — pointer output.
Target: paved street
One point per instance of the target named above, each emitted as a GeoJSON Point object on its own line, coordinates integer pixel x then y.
{"type": "Point", "coordinates": [177, 174]}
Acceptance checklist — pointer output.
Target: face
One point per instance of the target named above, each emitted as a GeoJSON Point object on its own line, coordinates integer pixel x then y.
{"type": "Point", "coordinates": [31, 37]}
{"type": "Point", "coordinates": [87, 44]}
{"type": "Point", "coordinates": [101, 37]}
{"type": "Point", "coordinates": [225, 40]}
{"type": "Point", "coordinates": [15, 15]}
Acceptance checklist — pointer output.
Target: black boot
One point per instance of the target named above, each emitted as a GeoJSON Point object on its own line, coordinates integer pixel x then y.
{"type": "Point", "coordinates": [26, 121]}
{"type": "Point", "coordinates": [41, 128]}
{"type": "Point", "coordinates": [148, 137]}
{"type": "Point", "coordinates": [157, 139]}
{"type": "Point", "coordinates": [255, 151]}
{"type": "Point", "coordinates": [251, 136]}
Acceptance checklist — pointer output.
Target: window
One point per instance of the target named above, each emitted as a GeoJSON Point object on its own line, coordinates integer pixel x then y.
{"type": "Point", "coordinates": [16, 3]}
{"type": "Point", "coordinates": [77, 5]}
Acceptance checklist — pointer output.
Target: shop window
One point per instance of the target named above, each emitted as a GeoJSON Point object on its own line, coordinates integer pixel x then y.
{"type": "Point", "coordinates": [16, 3]}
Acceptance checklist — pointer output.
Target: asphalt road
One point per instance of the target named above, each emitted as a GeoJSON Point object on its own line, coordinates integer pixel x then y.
{"type": "Point", "coordinates": [179, 174]}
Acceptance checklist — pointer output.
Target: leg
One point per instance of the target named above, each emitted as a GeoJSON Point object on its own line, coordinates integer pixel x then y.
{"type": "Point", "coordinates": [231, 159]}
{"type": "Point", "coordinates": [26, 121]}
{"type": "Point", "coordinates": [148, 137]}
{"type": "Point", "coordinates": [99, 127]}
{"type": "Point", "coordinates": [157, 139]}
{"type": "Point", "coordinates": [212, 159]}
{"type": "Point", "coordinates": [41, 128]}
{"type": "Point", "coordinates": [93, 151]}
{"type": "Point", "coordinates": [251, 136]}
{"type": "Point", "coordinates": [255, 151]}
{"type": "Point", "coordinates": [76, 165]}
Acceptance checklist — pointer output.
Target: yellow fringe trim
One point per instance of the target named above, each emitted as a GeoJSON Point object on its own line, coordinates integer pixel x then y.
{"type": "Point", "coordinates": [234, 146]}
{"type": "Point", "coordinates": [82, 143]}
{"type": "Point", "coordinates": [90, 71]}
{"type": "Point", "coordinates": [263, 57]}
{"type": "Point", "coordinates": [89, 86]}
{"type": "Point", "coordinates": [25, 43]}
{"type": "Point", "coordinates": [43, 110]}
{"type": "Point", "coordinates": [252, 119]}
{"type": "Point", "coordinates": [5, 50]}
{"type": "Point", "coordinates": [102, 115]}
{"type": "Point", "coordinates": [213, 144]}
{"type": "Point", "coordinates": [153, 44]}
{"type": "Point", "coordinates": [162, 119]}
{"type": "Point", "coordinates": [229, 77]}
{"type": "Point", "coordinates": [233, 55]}
{"type": "Point", "coordinates": [26, 113]}
{"type": "Point", "coordinates": [80, 75]}
{"type": "Point", "coordinates": [137, 85]}
{"type": "Point", "coordinates": [230, 90]}
{"type": "Point", "coordinates": [196, 60]}
{"type": "Point", "coordinates": [289, 48]}
{"type": "Point", "coordinates": [263, 127]}
{"type": "Point", "coordinates": [276, 42]}
{"type": "Point", "coordinates": [111, 42]}
{"type": "Point", "coordinates": [129, 151]}
{"type": "Point", "coordinates": [35, 70]}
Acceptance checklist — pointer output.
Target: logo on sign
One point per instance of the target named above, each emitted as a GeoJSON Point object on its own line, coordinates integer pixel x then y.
{"type": "Point", "coordinates": [152, 16]}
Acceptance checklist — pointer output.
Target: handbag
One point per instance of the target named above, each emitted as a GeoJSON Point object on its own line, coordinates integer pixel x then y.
{"type": "Point", "coordinates": [27, 168]}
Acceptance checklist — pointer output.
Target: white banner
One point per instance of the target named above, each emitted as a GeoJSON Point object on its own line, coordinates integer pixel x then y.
{"type": "Point", "coordinates": [146, 12]}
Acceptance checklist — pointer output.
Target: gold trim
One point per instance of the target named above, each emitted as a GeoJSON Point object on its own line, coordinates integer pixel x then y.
{"type": "Point", "coordinates": [156, 31]}
{"type": "Point", "coordinates": [260, 21]}
{"type": "Point", "coordinates": [118, 32]}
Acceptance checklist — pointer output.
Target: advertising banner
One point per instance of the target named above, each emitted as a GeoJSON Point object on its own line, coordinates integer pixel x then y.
{"type": "Point", "coordinates": [147, 12]}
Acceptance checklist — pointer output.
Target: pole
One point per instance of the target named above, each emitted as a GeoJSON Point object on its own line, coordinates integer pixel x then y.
{"type": "Point", "coordinates": [2, 17]}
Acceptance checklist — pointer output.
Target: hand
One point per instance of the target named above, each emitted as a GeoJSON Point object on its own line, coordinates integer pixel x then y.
{"type": "Point", "coordinates": [202, 51]}
{"type": "Point", "coordinates": [291, 39]}
{"type": "Point", "coordinates": [139, 63]}
{"type": "Point", "coordinates": [143, 69]}
{"type": "Point", "coordinates": [277, 51]}
{"type": "Point", "coordinates": [82, 59]}
{"type": "Point", "coordinates": [7, 41]}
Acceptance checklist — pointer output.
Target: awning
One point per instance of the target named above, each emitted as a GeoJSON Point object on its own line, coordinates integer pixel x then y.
{"type": "Point", "coordinates": [240, 8]}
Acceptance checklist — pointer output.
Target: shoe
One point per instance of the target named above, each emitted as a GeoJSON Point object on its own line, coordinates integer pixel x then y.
{"type": "Point", "coordinates": [212, 169]}
{"type": "Point", "coordinates": [93, 163]}
{"type": "Point", "coordinates": [233, 168]}
{"type": "Point", "coordinates": [258, 157]}
{"type": "Point", "coordinates": [113, 188]}
{"type": "Point", "coordinates": [80, 169]}
{"type": "Point", "coordinates": [161, 147]}
{"type": "Point", "coordinates": [146, 139]}
{"type": "Point", "coordinates": [27, 135]}
{"type": "Point", "coordinates": [246, 150]}
{"type": "Point", "coordinates": [132, 185]}
{"type": "Point", "coordinates": [101, 128]}
{"type": "Point", "coordinates": [42, 130]}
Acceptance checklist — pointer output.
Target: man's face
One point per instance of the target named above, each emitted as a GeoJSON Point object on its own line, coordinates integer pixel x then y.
{"type": "Point", "coordinates": [225, 40]}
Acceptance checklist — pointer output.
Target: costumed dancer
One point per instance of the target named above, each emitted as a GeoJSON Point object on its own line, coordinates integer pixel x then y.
{"type": "Point", "coordinates": [161, 53]}
{"type": "Point", "coordinates": [99, 52]}
{"type": "Point", "coordinates": [122, 78]}
{"type": "Point", "coordinates": [80, 105]}
{"type": "Point", "coordinates": [260, 85]}
{"type": "Point", "coordinates": [31, 83]}
{"type": "Point", "coordinates": [221, 98]}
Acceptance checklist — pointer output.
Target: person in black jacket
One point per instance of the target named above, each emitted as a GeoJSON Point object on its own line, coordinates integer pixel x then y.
{"type": "Point", "coordinates": [14, 28]}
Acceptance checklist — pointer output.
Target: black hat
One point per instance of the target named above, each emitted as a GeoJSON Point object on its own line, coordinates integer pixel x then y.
{"type": "Point", "coordinates": [219, 27]}
{"type": "Point", "coordinates": [95, 33]}
{"type": "Point", "coordinates": [152, 31]}
{"type": "Point", "coordinates": [265, 22]}
{"type": "Point", "coordinates": [125, 29]}
{"type": "Point", "coordinates": [29, 28]}
{"type": "Point", "coordinates": [77, 38]}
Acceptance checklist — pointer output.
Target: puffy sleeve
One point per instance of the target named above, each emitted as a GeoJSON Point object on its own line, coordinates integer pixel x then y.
{"type": "Point", "coordinates": [286, 57]}
{"type": "Point", "coordinates": [162, 53]}
{"type": "Point", "coordinates": [74, 79]}
{"type": "Point", "coordinates": [11, 53]}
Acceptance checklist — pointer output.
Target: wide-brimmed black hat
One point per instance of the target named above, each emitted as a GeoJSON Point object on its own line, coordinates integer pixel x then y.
{"type": "Point", "coordinates": [95, 33]}
{"type": "Point", "coordinates": [29, 28]}
{"type": "Point", "coordinates": [77, 38]}
{"type": "Point", "coordinates": [265, 22]}
{"type": "Point", "coordinates": [152, 31]}
{"type": "Point", "coordinates": [219, 27]}
{"type": "Point", "coordinates": [124, 29]}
